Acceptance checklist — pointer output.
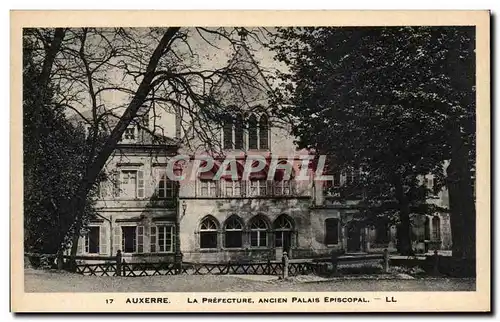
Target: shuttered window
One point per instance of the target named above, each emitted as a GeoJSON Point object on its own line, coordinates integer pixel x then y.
{"type": "Point", "coordinates": [92, 240]}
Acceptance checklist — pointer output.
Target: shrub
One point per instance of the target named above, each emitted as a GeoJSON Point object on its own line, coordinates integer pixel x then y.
{"type": "Point", "coordinates": [360, 269]}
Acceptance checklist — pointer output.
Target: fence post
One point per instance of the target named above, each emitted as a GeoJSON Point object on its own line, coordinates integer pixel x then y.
{"type": "Point", "coordinates": [268, 268]}
{"type": "Point", "coordinates": [435, 270]}
{"type": "Point", "coordinates": [285, 265]}
{"type": "Point", "coordinates": [118, 263]}
{"type": "Point", "coordinates": [335, 262]}
{"type": "Point", "coordinates": [60, 260]}
{"type": "Point", "coordinates": [386, 261]}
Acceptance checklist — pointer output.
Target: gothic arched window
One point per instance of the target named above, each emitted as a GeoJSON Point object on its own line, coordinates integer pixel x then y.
{"type": "Point", "coordinates": [264, 132]}
{"type": "Point", "coordinates": [283, 228]}
{"type": "Point", "coordinates": [258, 232]}
{"type": "Point", "coordinates": [233, 233]}
{"type": "Point", "coordinates": [228, 135]}
{"type": "Point", "coordinates": [208, 233]}
{"type": "Point", "coordinates": [252, 133]}
{"type": "Point", "coordinates": [238, 133]}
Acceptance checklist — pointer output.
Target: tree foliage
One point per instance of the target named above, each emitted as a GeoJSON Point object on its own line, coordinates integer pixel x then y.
{"type": "Point", "coordinates": [395, 102]}
{"type": "Point", "coordinates": [54, 157]}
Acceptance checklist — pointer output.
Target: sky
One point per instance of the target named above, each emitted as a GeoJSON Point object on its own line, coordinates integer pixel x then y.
{"type": "Point", "coordinates": [203, 49]}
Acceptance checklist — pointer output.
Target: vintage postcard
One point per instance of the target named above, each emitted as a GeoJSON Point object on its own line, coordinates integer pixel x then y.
{"type": "Point", "coordinates": [250, 161]}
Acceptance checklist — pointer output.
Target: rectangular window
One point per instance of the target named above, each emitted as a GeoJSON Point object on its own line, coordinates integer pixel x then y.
{"type": "Point", "coordinates": [232, 188]}
{"type": "Point", "coordinates": [332, 231]}
{"type": "Point", "coordinates": [165, 238]}
{"type": "Point", "coordinates": [92, 240]}
{"type": "Point", "coordinates": [129, 239]}
{"type": "Point", "coordinates": [282, 188]}
{"type": "Point", "coordinates": [132, 184]}
{"type": "Point", "coordinates": [208, 188]}
{"type": "Point", "coordinates": [254, 188]}
{"type": "Point", "coordinates": [262, 187]}
{"type": "Point", "coordinates": [258, 187]}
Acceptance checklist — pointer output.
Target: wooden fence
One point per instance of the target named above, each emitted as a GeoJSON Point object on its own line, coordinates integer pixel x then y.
{"type": "Point", "coordinates": [117, 266]}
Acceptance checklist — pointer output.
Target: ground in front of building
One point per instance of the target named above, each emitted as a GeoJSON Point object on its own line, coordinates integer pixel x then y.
{"type": "Point", "coordinates": [55, 281]}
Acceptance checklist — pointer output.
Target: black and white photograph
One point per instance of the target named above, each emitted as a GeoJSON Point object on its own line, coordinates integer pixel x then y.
{"type": "Point", "coordinates": [269, 159]}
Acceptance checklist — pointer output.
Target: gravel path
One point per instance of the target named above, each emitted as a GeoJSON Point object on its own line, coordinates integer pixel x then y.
{"type": "Point", "coordinates": [53, 281]}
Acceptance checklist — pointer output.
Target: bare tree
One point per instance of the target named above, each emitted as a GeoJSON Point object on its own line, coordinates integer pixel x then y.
{"type": "Point", "coordinates": [120, 74]}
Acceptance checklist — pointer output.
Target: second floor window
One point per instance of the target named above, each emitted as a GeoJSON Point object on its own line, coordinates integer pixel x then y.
{"type": "Point", "coordinates": [282, 188]}
{"type": "Point", "coordinates": [132, 183]}
{"type": "Point", "coordinates": [258, 187]}
{"type": "Point", "coordinates": [165, 188]}
{"type": "Point", "coordinates": [232, 188]}
{"type": "Point", "coordinates": [208, 188]}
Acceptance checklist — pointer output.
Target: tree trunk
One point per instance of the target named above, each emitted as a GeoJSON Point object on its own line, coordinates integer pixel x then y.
{"type": "Point", "coordinates": [50, 56]}
{"type": "Point", "coordinates": [456, 218]}
{"type": "Point", "coordinates": [462, 203]}
{"type": "Point", "coordinates": [77, 203]}
{"type": "Point", "coordinates": [404, 229]}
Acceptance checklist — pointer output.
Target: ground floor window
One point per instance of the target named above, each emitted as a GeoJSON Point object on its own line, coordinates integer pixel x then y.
{"type": "Point", "coordinates": [165, 238]}
{"type": "Point", "coordinates": [92, 240]}
{"type": "Point", "coordinates": [331, 231]}
{"type": "Point", "coordinates": [258, 233]}
{"type": "Point", "coordinates": [436, 228]}
{"type": "Point", "coordinates": [162, 238]}
{"type": "Point", "coordinates": [129, 239]}
{"type": "Point", "coordinates": [283, 239]}
{"type": "Point", "coordinates": [233, 233]}
{"type": "Point", "coordinates": [208, 233]}
{"type": "Point", "coordinates": [283, 232]}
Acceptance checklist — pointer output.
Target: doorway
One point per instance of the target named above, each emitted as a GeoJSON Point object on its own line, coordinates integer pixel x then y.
{"type": "Point", "coordinates": [353, 237]}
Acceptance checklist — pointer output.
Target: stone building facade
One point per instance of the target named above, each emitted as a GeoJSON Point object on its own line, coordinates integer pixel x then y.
{"type": "Point", "coordinates": [151, 218]}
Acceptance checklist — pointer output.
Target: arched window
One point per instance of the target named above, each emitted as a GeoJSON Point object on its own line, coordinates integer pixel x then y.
{"type": "Point", "coordinates": [252, 133]}
{"type": "Point", "coordinates": [258, 232]}
{"type": "Point", "coordinates": [228, 135]}
{"type": "Point", "coordinates": [283, 228]}
{"type": "Point", "coordinates": [436, 228]}
{"type": "Point", "coordinates": [208, 233]}
{"type": "Point", "coordinates": [264, 132]}
{"type": "Point", "coordinates": [233, 233]}
{"type": "Point", "coordinates": [238, 133]}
